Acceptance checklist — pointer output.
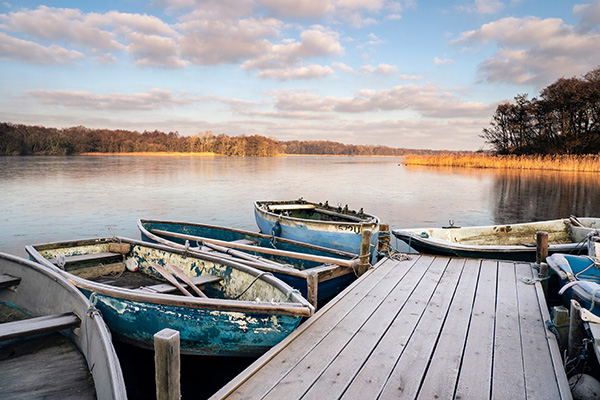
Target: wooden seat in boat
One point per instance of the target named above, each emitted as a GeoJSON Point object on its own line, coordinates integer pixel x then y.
{"type": "Point", "coordinates": [38, 325]}
{"type": "Point", "coordinates": [168, 288]}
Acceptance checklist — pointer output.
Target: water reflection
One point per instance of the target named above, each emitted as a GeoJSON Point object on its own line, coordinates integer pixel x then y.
{"type": "Point", "coordinates": [517, 195]}
{"type": "Point", "coordinates": [540, 195]}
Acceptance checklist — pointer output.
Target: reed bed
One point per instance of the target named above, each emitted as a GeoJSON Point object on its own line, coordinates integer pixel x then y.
{"type": "Point", "coordinates": [575, 163]}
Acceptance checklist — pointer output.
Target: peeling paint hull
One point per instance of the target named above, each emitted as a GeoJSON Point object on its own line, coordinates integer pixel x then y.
{"type": "Point", "coordinates": [296, 276]}
{"type": "Point", "coordinates": [246, 312]}
{"type": "Point", "coordinates": [335, 233]}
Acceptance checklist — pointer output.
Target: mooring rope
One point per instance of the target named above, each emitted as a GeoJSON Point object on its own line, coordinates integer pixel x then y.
{"type": "Point", "coordinates": [250, 285]}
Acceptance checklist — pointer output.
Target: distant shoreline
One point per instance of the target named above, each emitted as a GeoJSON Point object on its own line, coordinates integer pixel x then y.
{"type": "Point", "coordinates": [210, 154]}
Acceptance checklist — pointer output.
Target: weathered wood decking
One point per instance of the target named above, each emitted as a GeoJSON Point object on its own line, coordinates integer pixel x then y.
{"type": "Point", "coordinates": [425, 328]}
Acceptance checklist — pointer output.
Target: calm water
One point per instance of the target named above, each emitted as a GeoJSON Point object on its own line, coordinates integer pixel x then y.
{"type": "Point", "coordinates": [60, 198]}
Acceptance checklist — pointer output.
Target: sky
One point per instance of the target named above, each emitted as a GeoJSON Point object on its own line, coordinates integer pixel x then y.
{"type": "Point", "coordinates": [401, 73]}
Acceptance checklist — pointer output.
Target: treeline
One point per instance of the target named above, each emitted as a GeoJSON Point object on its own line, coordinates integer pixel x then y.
{"type": "Point", "coordinates": [38, 140]}
{"type": "Point", "coordinates": [334, 148]}
{"type": "Point", "coordinates": [565, 119]}
{"type": "Point", "coordinates": [16, 139]}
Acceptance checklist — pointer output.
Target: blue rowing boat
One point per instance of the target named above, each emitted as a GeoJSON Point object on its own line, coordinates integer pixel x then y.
{"type": "Point", "coordinates": [319, 273]}
{"type": "Point", "coordinates": [579, 278]}
{"type": "Point", "coordinates": [219, 307]}
{"type": "Point", "coordinates": [317, 223]}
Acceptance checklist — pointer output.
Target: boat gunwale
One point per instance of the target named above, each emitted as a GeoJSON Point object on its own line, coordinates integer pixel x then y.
{"type": "Point", "coordinates": [413, 235]}
{"type": "Point", "coordinates": [447, 245]}
{"type": "Point", "coordinates": [371, 221]}
{"type": "Point", "coordinates": [297, 306]}
{"type": "Point", "coordinates": [311, 246]}
{"type": "Point", "coordinates": [90, 326]}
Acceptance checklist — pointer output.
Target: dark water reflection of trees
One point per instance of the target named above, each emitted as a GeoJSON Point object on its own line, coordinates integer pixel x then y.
{"type": "Point", "coordinates": [541, 195]}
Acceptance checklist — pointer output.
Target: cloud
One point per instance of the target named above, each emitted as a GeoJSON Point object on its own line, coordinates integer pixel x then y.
{"type": "Point", "coordinates": [428, 101]}
{"type": "Point", "coordinates": [23, 50]}
{"type": "Point", "coordinates": [286, 60]}
{"type": "Point", "coordinates": [589, 14]}
{"type": "Point", "coordinates": [151, 100]}
{"type": "Point", "coordinates": [312, 71]}
{"type": "Point", "coordinates": [381, 69]}
{"type": "Point", "coordinates": [483, 7]}
{"type": "Point", "coordinates": [59, 24]}
{"type": "Point", "coordinates": [294, 8]}
{"type": "Point", "coordinates": [442, 61]}
{"type": "Point", "coordinates": [533, 50]}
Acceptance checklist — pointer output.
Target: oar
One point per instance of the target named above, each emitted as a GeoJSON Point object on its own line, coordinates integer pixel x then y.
{"type": "Point", "coordinates": [186, 279]}
{"type": "Point", "coordinates": [292, 254]}
{"type": "Point", "coordinates": [171, 279]}
{"type": "Point", "coordinates": [575, 221]}
{"type": "Point", "coordinates": [245, 256]}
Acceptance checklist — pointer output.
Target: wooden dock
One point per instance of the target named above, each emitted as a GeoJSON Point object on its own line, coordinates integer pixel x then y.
{"type": "Point", "coordinates": [425, 328]}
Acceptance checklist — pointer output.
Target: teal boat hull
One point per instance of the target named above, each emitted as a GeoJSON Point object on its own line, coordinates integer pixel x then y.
{"type": "Point", "coordinates": [244, 313]}
{"type": "Point", "coordinates": [296, 277]}
{"type": "Point", "coordinates": [334, 234]}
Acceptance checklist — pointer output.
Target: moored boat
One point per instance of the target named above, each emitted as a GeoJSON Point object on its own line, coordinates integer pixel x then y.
{"type": "Point", "coordinates": [579, 279]}
{"type": "Point", "coordinates": [317, 223]}
{"type": "Point", "coordinates": [317, 272]}
{"type": "Point", "coordinates": [508, 242]}
{"type": "Point", "coordinates": [235, 310]}
{"type": "Point", "coordinates": [52, 342]}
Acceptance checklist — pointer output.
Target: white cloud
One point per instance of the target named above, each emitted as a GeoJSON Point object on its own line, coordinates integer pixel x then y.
{"type": "Point", "coordinates": [295, 8]}
{"type": "Point", "coordinates": [342, 67]}
{"type": "Point", "coordinates": [442, 61]}
{"type": "Point", "coordinates": [429, 101]}
{"type": "Point", "coordinates": [34, 53]}
{"type": "Point", "coordinates": [286, 60]}
{"type": "Point", "coordinates": [58, 24]}
{"type": "Point", "coordinates": [381, 69]}
{"type": "Point", "coordinates": [533, 50]}
{"type": "Point", "coordinates": [483, 7]}
{"type": "Point", "coordinates": [312, 71]}
{"type": "Point", "coordinates": [589, 14]}
{"type": "Point", "coordinates": [151, 100]}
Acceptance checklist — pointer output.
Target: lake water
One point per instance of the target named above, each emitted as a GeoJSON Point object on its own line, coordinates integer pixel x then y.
{"type": "Point", "coordinates": [62, 198]}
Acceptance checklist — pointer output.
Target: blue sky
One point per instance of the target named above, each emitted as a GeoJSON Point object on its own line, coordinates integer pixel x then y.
{"type": "Point", "coordinates": [414, 74]}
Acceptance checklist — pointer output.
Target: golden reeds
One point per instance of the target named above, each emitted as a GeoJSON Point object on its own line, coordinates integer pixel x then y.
{"type": "Point", "coordinates": [580, 163]}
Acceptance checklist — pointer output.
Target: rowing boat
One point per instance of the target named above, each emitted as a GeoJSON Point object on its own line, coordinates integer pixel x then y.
{"type": "Point", "coordinates": [510, 242]}
{"type": "Point", "coordinates": [319, 273]}
{"type": "Point", "coordinates": [317, 223]}
{"type": "Point", "coordinates": [219, 307]}
{"type": "Point", "coordinates": [53, 344]}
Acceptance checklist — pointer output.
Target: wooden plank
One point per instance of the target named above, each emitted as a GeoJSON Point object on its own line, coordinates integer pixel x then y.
{"type": "Point", "coordinates": [475, 375]}
{"type": "Point", "coordinates": [342, 370]}
{"type": "Point", "coordinates": [8, 280]}
{"type": "Point", "coordinates": [44, 367]}
{"type": "Point", "coordinates": [38, 325]}
{"type": "Point", "coordinates": [540, 381]}
{"type": "Point", "coordinates": [373, 375]}
{"type": "Point", "coordinates": [249, 242]}
{"type": "Point", "coordinates": [186, 279]}
{"type": "Point", "coordinates": [410, 368]}
{"type": "Point", "coordinates": [167, 288]}
{"type": "Point", "coordinates": [263, 374]}
{"type": "Point", "coordinates": [167, 364]}
{"type": "Point", "coordinates": [442, 374]}
{"type": "Point", "coordinates": [556, 358]}
{"type": "Point", "coordinates": [257, 249]}
{"type": "Point", "coordinates": [87, 257]}
{"type": "Point", "coordinates": [508, 375]}
{"type": "Point", "coordinates": [277, 207]}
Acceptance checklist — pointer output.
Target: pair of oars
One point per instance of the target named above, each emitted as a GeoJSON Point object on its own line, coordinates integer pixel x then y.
{"type": "Point", "coordinates": [181, 275]}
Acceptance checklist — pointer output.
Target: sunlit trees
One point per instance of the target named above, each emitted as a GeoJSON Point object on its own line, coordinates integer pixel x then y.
{"type": "Point", "coordinates": [565, 119]}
